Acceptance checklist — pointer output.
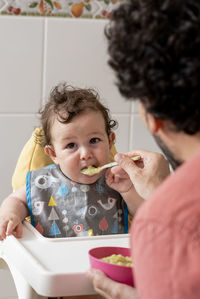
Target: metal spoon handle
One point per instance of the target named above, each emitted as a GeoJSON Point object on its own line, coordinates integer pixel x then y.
{"type": "Point", "coordinates": [111, 164]}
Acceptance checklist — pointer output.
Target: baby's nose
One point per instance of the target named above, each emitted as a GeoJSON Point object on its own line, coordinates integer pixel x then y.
{"type": "Point", "coordinates": [86, 153]}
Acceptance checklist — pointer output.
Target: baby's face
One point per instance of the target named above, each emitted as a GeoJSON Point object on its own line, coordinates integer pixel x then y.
{"type": "Point", "coordinates": [81, 143]}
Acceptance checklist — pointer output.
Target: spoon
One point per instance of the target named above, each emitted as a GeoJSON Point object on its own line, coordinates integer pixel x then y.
{"type": "Point", "coordinates": [91, 170]}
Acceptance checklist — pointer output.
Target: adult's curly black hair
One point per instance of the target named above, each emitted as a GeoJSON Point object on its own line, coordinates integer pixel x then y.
{"type": "Point", "coordinates": [154, 48]}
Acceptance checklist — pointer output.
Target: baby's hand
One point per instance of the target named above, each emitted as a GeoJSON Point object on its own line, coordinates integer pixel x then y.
{"type": "Point", "coordinates": [118, 180]}
{"type": "Point", "coordinates": [10, 224]}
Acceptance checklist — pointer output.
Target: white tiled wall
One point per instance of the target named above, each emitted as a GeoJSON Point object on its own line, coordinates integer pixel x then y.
{"type": "Point", "coordinates": [35, 54]}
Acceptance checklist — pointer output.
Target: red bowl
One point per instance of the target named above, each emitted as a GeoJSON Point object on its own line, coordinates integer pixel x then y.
{"type": "Point", "coordinates": [122, 274]}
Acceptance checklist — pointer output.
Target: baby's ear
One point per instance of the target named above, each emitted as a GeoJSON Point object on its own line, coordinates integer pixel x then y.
{"type": "Point", "coordinates": [111, 139]}
{"type": "Point", "coordinates": [49, 151]}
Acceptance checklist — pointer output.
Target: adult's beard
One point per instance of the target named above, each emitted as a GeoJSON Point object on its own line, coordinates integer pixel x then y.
{"type": "Point", "coordinates": [174, 162]}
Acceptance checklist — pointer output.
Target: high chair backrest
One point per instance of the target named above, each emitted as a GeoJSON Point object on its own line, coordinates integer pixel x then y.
{"type": "Point", "coordinates": [33, 157]}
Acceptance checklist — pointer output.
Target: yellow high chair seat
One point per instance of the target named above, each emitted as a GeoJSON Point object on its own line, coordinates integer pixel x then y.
{"type": "Point", "coordinates": [33, 157]}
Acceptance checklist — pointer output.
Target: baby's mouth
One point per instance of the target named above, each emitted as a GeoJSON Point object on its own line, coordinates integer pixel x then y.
{"type": "Point", "coordinates": [89, 166]}
{"type": "Point", "coordinates": [89, 170]}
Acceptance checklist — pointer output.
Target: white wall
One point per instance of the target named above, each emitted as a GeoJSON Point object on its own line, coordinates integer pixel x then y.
{"type": "Point", "coordinates": [35, 54]}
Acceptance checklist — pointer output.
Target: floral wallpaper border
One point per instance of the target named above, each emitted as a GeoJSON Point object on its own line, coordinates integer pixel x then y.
{"type": "Point", "coordinates": [59, 8]}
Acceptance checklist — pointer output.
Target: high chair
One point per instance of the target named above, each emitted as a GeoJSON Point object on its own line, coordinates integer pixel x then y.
{"type": "Point", "coordinates": [44, 267]}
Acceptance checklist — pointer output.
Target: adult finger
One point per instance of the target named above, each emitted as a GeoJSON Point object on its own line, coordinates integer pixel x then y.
{"type": "Point", "coordinates": [102, 284]}
{"type": "Point", "coordinates": [127, 164]}
{"type": "Point", "coordinates": [109, 288]}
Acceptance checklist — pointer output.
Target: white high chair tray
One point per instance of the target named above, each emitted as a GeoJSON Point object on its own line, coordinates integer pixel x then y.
{"type": "Point", "coordinates": [55, 267]}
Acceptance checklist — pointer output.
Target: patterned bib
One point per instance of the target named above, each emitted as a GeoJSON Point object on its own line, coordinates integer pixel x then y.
{"type": "Point", "coordinates": [60, 207]}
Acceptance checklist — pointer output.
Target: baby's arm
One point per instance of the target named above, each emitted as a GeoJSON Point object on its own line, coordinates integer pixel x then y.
{"type": "Point", "coordinates": [13, 211]}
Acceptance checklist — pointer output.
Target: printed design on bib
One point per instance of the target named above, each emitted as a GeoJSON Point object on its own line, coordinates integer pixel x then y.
{"type": "Point", "coordinates": [78, 228]}
{"type": "Point", "coordinates": [90, 232]}
{"type": "Point", "coordinates": [115, 227]}
{"type": "Point", "coordinates": [45, 181]}
{"type": "Point", "coordinates": [52, 202]}
{"type": "Point", "coordinates": [118, 215]}
{"type": "Point", "coordinates": [74, 188]}
{"type": "Point", "coordinates": [81, 212]}
{"type": "Point", "coordinates": [63, 190]}
{"type": "Point", "coordinates": [39, 228]}
{"type": "Point", "coordinates": [85, 188]}
{"type": "Point", "coordinates": [54, 229]}
{"type": "Point", "coordinates": [103, 225]}
{"type": "Point", "coordinates": [109, 205]}
{"type": "Point", "coordinates": [100, 188]}
{"type": "Point", "coordinates": [92, 210]}
{"type": "Point", "coordinates": [65, 219]}
{"type": "Point", "coordinates": [64, 208]}
{"type": "Point", "coordinates": [53, 215]}
{"type": "Point", "coordinates": [38, 207]}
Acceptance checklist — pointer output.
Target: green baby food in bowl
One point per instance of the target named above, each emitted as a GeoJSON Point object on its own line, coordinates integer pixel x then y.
{"type": "Point", "coordinates": [106, 259]}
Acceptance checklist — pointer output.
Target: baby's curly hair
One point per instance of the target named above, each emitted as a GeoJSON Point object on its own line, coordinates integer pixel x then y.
{"type": "Point", "coordinates": [65, 102]}
{"type": "Point", "coordinates": [154, 48]}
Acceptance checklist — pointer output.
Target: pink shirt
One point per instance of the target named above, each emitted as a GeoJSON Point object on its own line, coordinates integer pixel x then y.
{"type": "Point", "coordinates": [165, 238]}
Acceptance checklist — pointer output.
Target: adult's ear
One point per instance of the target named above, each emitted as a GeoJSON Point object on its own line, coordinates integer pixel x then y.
{"type": "Point", "coordinates": [152, 123]}
{"type": "Point", "coordinates": [49, 151]}
{"type": "Point", "coordinates": [111, 139]}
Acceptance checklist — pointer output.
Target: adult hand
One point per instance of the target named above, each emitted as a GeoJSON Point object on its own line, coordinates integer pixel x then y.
{"type": "Point", "coordinates": [123, 184]}
{"type": "Point", "coordinates": [108, 288]}
{"type": "Point", "coordinates": [146, 174]}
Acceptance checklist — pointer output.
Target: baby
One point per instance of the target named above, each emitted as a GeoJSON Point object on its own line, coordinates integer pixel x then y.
{"type": "Point", "coordinates": [61, 200]}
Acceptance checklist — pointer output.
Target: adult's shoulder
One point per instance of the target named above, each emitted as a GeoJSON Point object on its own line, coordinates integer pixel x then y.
{"type": "Point", "coordinates": [177, 197]}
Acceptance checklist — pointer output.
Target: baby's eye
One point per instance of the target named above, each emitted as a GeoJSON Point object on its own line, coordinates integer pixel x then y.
{"type": "Point", "coordinates": [94, 140]}
{"type": "Point", "coordinates": [71, 145]}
